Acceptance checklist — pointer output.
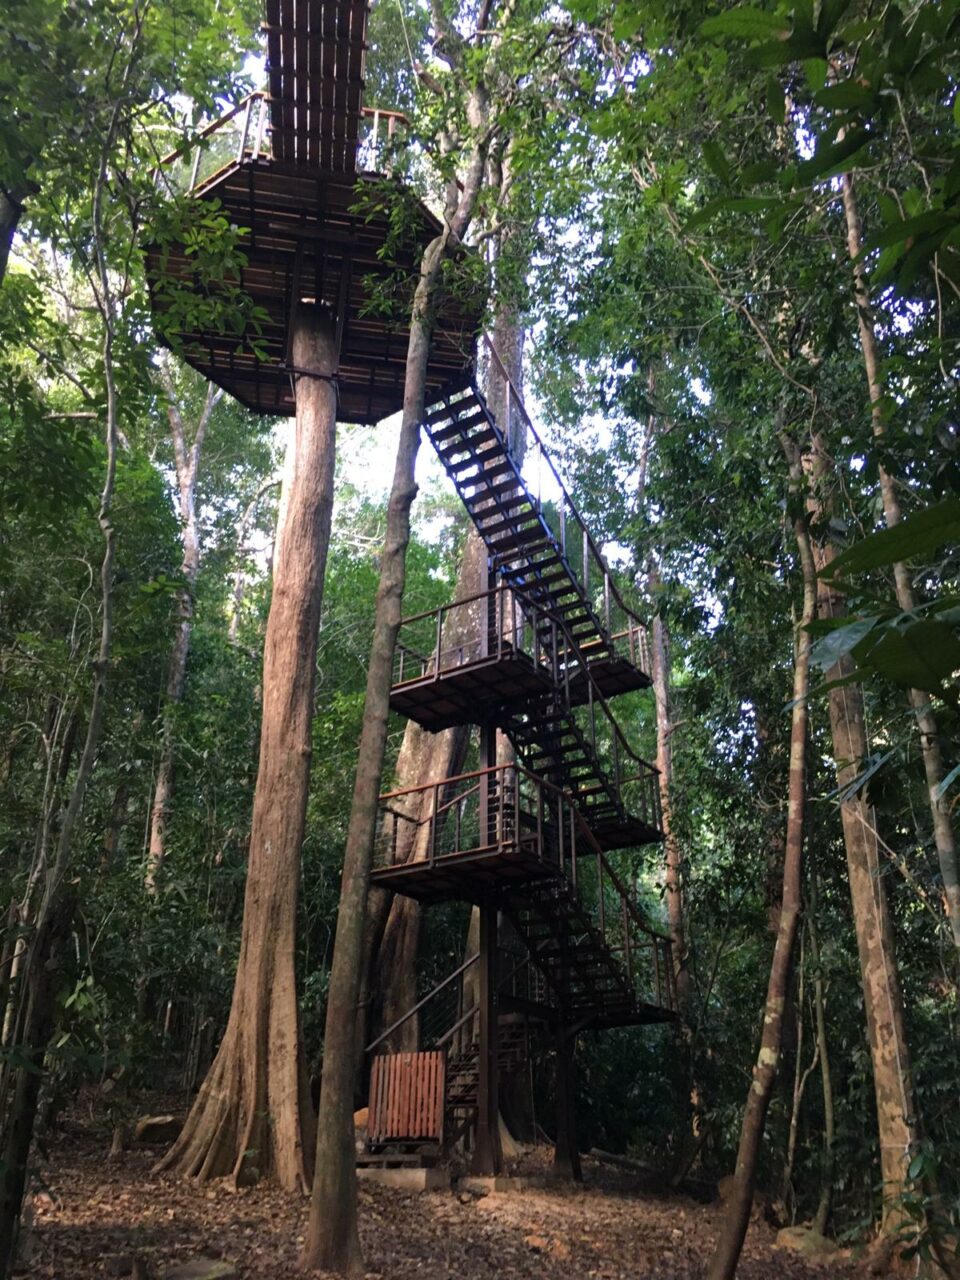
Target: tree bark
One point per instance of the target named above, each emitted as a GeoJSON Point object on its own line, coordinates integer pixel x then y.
{"type": "Point", "coordinates": [724, 1262]}
{"type": "Point", "coordinates": [883, 999]}
{"type": "Point", "coordinates": [673, 881]}
{"type": "Point", "coordinates": [566, 1151]}
{"type": "Point", "coordinates": [187, 461]}
{"type": "Point", "coordinates": [822, 1216]}
{"type": "Point", "coordinates": [333, 1241]}
{"type": "Point", "coordinates": [21, 1090]}
{"type": "Point", "coordinates": [943, 834]}
{"type": "Point", "coordinates": [423, 757]}
{"type": "Point", "coordinates": [11, 208]}
{"type": "Point", "coordinates": [240, 579]}
{"type": "Point", "coordinates": [253, 1115]}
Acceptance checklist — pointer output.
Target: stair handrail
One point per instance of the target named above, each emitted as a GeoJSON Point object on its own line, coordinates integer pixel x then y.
{"type": "Point", "coordinates": [260, 99]}
{"type": "Point", "coordinates": [629, 908]}
{"type": "Point", "coordinates": [496, 593]}
{"type": "Point", "coordinates": [596, 698]}
{"type": "Point", "coordinates": [518, 399]}
{"type": "Point", "coordinates": [445, 982]}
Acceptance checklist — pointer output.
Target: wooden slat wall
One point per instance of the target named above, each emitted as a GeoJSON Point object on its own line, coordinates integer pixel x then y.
{"type": "Point", "coordinates": [407, 1096]}
{"type": "Point", "coordinates": [315, 52]}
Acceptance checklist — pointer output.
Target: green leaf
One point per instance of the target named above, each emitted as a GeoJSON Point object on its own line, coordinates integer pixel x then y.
{"type": "Point", "coordinates": [772, 54]}
{"type": "Point", "coordinates": [919, 534]}
{"type": "Point", "coordinates": [703, 215]}
{"type": "Point", "coordinates": [831, 11]}
{"type": "Point", "coordinates": [814, 65]}
{"type": "Point", "coordinates": [759, 171]}
{"type": "Point", "coordinates": [907, 229]}
{"type": "Point", "coordinates": [828, 651]}
{"type": "Point", "coordinates": [919, 656]}
{"type": "Point", "coordinates": [717, 162]}
{"type": "Point", "coordinates": [843, 97]}
{"type": "Point", "coordinates": [833, 157]}
{"type": "Point", "coordinates": [746, 23]}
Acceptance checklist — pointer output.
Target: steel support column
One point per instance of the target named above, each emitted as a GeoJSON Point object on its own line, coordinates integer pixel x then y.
{"type": "Point", "coordinates": [566, 1154]}
{"type": "Point", "coordinates": [487, 1157]}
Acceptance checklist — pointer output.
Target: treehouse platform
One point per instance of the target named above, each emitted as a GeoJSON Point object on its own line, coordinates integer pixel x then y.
{"type": "Point", "coordinates": [295, 183]}
{"type": "Point", "coordinates": [293, 173]}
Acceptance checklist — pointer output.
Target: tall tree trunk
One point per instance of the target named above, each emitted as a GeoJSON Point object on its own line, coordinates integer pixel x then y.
{"type": "Point", "coordinates": [673, 862]}
{"type": "Point", "coordinates": [883, 999]}
{"type": "Point", "coordinates": [11, 207]}
{"type": "Point", "coordinates": [393, 924]}
{"type": "Point", "coordinates": [253, 1115]}
{"type": "Point", "coordinates": [822, 1216]}
{"type": "Point", "coordinates": [801, 1074]}
{"type": "Point", "coordinates": [943, 834]}
{"type": "Point", "coordinates": [187, 460]}
{"type": "Point", "coordinates": [673, 881]}
{"type": "Point", "coordinates": [333, 1242]}
{"type": "Point", "coordinates": [21, 1090]}
{"type": "Point", "coordinates": [240, 580]}
{"type": "Point", "coordinates": [724, 1262]}
{"type": "Point", "coordinates": [423, 758]}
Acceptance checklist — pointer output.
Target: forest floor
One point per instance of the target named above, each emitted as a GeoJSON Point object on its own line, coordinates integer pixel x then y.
{"type": "Point", "coordinates": [95, 1217]}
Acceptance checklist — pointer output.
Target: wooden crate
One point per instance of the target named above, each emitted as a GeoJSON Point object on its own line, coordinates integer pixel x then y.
{"type": "Point", "coordinates": [407, 1097]}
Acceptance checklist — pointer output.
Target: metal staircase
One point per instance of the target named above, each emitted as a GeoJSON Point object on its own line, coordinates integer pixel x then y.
{"type": "Point", "coordinates": [589, 961]}
{"type": "Point", "coordinates": [524, 549]}
{"type": "Point", "coordinates": [556, 569]}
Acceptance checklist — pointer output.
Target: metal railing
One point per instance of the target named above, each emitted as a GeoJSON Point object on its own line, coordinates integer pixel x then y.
{"type": "Point", "coordinates": [243, 134]}
{"type": "Point", "coordinates": [624, 629]}
{"type": "Point", "coordinates": [437, 1014]}
{"type": "Point", "coordinates": [438, 1018]}
{"type": "Point", "coordinates": [489, 624]}
{"type": "Point", "coordinates": [524, 808]}
{"type": "Point", "coordinates": [502, 809]}
{"type": "Point", "coordinates": [631, 781]}
{"type": "Point", "coordinates": [644, 954]}
{"type": "Point", "coordinates": [502, 622]}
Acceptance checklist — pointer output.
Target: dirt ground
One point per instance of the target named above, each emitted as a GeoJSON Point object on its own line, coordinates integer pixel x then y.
{"type": "Point", "coordinates": [96, 1217]}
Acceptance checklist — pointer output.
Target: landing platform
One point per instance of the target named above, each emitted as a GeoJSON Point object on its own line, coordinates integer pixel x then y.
{"type": "Point", "coordinates": [616, 833]}
{"type": "Point", "coordinates": [469, 693]}
{"type": "Point", "coordinates": [638, 1014]}
{"type": "Point", "coordinates": [465, 877]}
{"type": "Point", "coordinates": [612, 676]}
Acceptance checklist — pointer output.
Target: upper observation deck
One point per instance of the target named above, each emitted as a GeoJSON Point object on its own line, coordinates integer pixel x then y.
{"type": "Point", "coordinates": [297, 171]}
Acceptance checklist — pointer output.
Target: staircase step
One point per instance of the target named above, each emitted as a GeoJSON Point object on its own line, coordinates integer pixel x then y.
{"type": "Point", "coordinates": [447, 409]}
{"type": "Point", "coordinates": [465, 450]}
{"type": "Point", "coordinates": [459, 427]}
{"type": "Point", "coordinates": [472, 488]}
{"type": "Point", "coordinates": [496, 520]}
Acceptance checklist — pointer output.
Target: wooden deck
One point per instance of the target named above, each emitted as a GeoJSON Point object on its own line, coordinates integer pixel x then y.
{"type": "Point", "coordinates": [310, 235]}
{"type": "Point", "coordinates": [466, 877]}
